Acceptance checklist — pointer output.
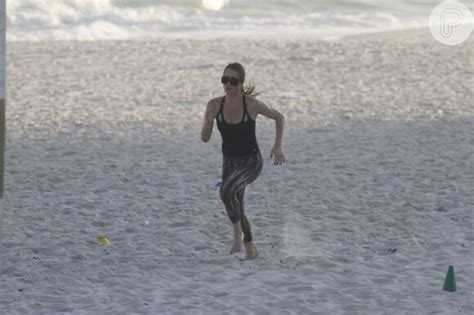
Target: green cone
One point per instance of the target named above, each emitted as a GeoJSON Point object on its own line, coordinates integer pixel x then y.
{"type": "Point", "coordinates": [450, 282]}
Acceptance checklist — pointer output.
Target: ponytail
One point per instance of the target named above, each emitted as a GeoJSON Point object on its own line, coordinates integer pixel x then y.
{"type": "Point", "coordinates": [249, 89]}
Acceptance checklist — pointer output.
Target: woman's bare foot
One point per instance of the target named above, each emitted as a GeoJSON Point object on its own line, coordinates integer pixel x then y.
{"type": "Point", "coordinates": [236, 247]}
{"type": "Point", "coordinates": [251, 251]}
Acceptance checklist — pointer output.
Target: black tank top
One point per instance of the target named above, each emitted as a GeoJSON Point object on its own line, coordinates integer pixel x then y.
{"type": "Point", "coordinates": [239, 139]}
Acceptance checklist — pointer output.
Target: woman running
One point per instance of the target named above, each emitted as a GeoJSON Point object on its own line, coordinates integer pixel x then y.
{"type": "Point", "coordinates": [235, 114]}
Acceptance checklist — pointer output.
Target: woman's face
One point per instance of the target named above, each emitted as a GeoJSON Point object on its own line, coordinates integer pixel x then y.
{"type": "Point", "coordinates": [231, 82]}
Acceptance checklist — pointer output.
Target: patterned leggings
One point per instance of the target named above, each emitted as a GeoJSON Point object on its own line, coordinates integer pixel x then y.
{"type": "Point", "coordinates": [237, 173]}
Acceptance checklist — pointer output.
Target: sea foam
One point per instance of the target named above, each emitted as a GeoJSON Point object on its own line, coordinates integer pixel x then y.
{"type": "Point", "coordinates": [33, 20]}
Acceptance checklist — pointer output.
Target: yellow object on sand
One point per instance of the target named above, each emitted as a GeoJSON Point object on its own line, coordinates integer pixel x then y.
{"type": "Point", "coordinates": [102, 240]}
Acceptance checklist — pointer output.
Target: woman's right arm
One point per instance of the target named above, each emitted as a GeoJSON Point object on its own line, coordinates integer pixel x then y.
{"type": "Point", "coordinates": [208, 122]}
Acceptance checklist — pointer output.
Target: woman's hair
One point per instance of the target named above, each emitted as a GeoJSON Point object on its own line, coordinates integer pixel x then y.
{"type": "Point", "coordinates": [249, 88]}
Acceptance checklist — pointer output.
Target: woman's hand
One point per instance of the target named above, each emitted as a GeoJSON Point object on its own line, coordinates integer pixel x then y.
{"type": "Point", "coordinates": [279, 157]}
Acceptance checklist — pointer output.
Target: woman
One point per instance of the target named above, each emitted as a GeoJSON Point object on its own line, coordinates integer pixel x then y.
{"type": "Point", "coordinates": [235, 114]}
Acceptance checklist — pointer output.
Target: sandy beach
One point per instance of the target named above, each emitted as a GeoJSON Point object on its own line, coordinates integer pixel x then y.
{"type": "Point", "coordinates": [373, 205]}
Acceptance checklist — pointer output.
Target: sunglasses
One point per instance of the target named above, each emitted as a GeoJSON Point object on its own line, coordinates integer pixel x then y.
{"type": "Point", "coordinates": [233, 81]}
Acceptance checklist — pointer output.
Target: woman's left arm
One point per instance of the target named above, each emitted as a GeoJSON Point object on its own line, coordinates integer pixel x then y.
{"type": "Point", "coordinates": [272, 113]}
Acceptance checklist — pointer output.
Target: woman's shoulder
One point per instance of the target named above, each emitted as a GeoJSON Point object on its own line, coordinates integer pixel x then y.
{"type": "Point", "coordinates": [216, 101]}
{"type": "Point", "coordinates": [252, 101]}
{"type": "Point", "coordinates": [214, 104]}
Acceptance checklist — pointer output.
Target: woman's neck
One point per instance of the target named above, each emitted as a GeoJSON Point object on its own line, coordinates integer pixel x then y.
{"type": "Point", "coordinates": [234, 99]}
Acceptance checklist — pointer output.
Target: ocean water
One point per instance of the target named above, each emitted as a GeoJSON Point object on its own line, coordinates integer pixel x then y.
{"type": "Point", "coordinates": [128, 19]}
